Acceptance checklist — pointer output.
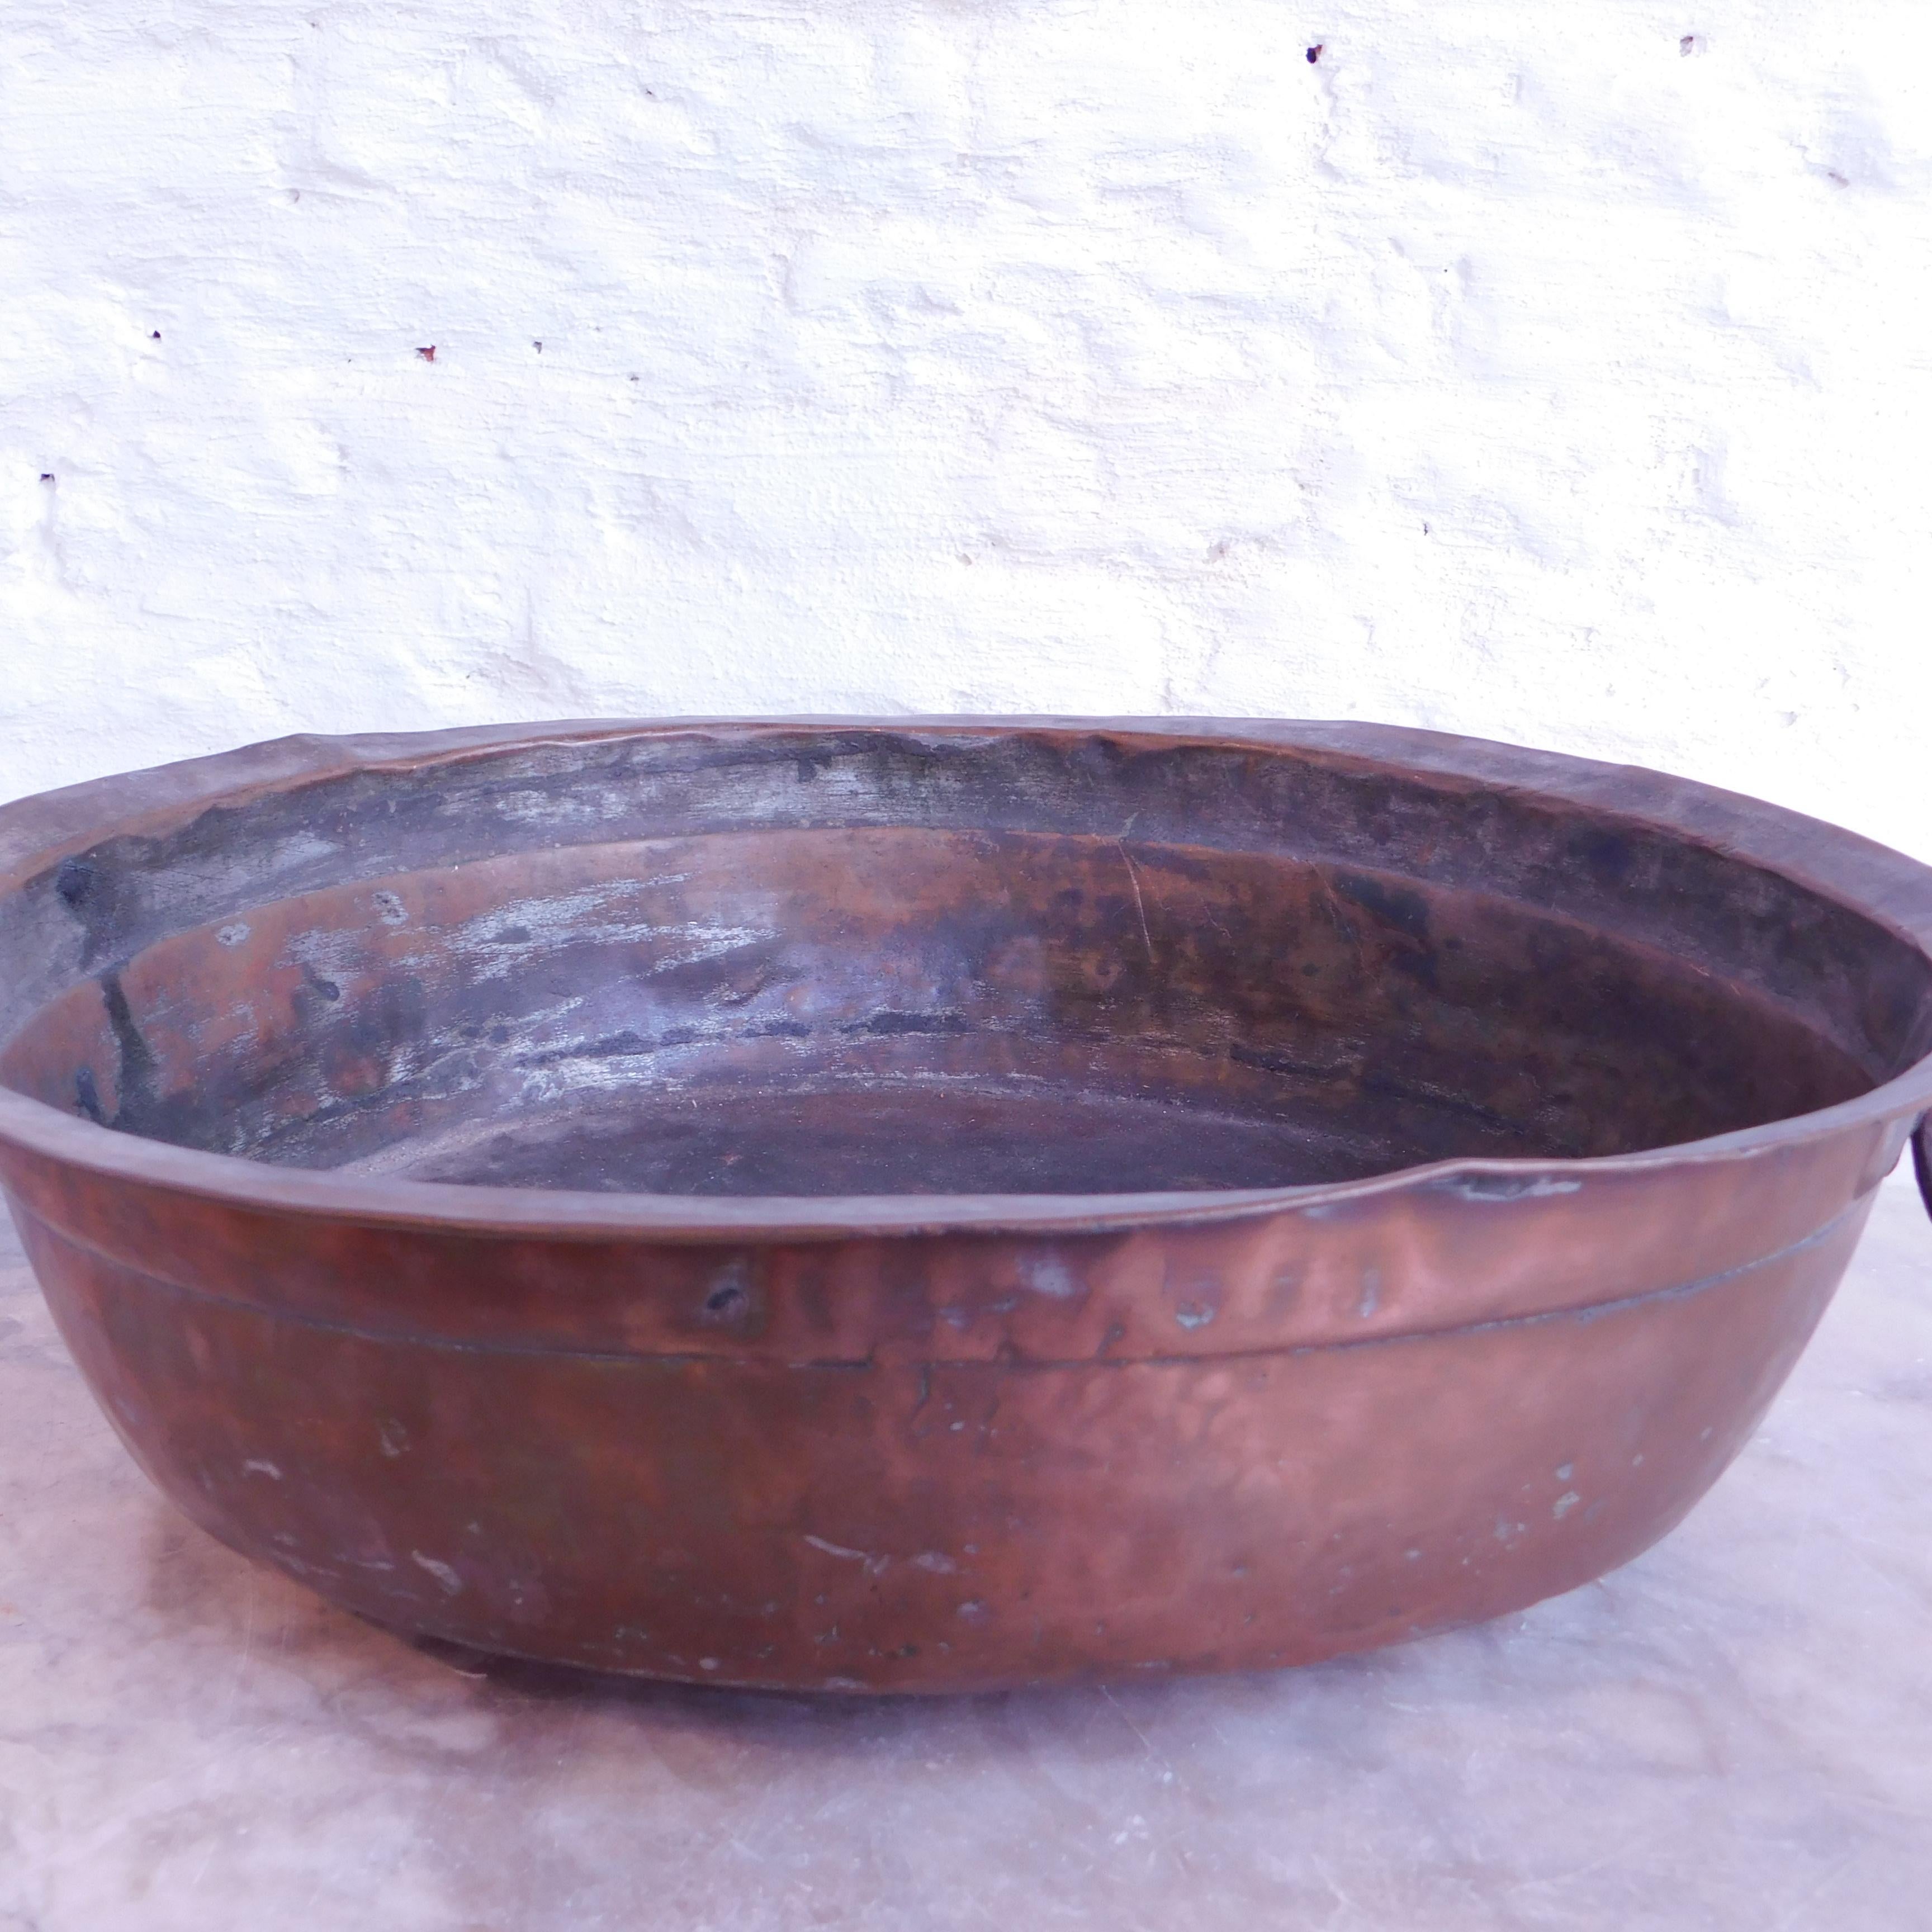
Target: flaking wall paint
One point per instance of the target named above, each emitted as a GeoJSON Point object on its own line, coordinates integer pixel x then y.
{"type": "Point", "coordinates": [1561, 374]}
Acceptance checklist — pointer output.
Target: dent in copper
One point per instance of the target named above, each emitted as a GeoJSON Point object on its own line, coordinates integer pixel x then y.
{"type": "Point", "coordinates": [922, 1205]}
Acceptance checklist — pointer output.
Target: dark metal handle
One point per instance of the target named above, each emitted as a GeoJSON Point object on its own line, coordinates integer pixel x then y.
{"type": "Point", "coordinates": [1922, 1159]}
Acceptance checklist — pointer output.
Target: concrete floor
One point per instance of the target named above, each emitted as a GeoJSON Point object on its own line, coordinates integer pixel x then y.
{"type": "Point", "coordinates": [1735, 1731]}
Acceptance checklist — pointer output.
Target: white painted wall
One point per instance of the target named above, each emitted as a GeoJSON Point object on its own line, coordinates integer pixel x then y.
{"type": "Point", "coordinates": [1510, 369]}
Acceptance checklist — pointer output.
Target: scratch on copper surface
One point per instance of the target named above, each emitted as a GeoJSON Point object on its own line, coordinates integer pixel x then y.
{"type": "Point", "coordinates": [874, 1564]}
{"type": "Point", "coordinates": [444, 1573]}
{"type": "Point", "coordinates": [1140, 905]}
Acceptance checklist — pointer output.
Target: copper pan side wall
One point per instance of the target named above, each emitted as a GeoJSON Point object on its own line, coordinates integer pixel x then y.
{"type": "Point", "coordinates": [922, 1522]}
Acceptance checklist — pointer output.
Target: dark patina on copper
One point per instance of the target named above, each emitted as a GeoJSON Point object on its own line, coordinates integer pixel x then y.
{"type": "Point", "coordinates": [915, 1205]}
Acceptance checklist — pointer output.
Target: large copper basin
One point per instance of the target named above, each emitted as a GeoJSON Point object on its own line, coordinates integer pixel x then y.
{"type": "Point", "coordinates": [917, 1205]}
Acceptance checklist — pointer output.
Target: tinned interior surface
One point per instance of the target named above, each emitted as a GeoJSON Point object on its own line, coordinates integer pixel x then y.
{"type": "Point", "coordinates": [817, 963]}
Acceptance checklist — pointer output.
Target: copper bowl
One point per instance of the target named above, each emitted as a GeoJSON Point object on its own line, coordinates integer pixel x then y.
{"type": "Point", "coordinates": [920, 1205]}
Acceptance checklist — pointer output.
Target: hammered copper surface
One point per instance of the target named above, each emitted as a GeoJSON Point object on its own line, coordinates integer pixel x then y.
{"type": "Point", "coordinates": [915, 1205]}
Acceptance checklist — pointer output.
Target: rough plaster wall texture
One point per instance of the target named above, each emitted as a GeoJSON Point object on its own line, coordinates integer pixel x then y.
{"type": "Point", "coordinates": [1559, 373]}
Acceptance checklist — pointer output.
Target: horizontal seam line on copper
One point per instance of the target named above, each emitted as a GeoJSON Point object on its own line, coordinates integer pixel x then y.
{"type": "Point", "coordinates": [1587, 1312]}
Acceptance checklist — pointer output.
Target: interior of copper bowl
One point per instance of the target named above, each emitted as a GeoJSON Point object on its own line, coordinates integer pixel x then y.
{"type": "Point", "coordinates": [824, 962]}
